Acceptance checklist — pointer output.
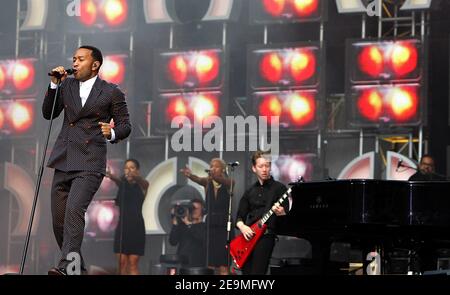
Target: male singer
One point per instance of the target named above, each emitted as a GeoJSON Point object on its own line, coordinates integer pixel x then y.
{"type": "Point", "coordinates": [426, 170]}
{"type": "Point", "coordinates": [79, 154]}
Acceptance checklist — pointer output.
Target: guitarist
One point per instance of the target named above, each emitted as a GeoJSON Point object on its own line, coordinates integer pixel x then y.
{"type": "Point", "coordinates": [255, 202]}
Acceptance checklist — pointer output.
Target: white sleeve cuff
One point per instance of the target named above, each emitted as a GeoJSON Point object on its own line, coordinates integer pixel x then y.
{"type": "Point", "coordinates": [113, 135]}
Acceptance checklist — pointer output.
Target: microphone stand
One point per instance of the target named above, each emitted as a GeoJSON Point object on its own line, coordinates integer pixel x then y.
{"type": "Point", "coordinates": [38, 183]}
{"type": "Point", "coordinates": [208, 217]}
{"type": "Point", "coordinates": [122, 217]}
{"type": "Point", "coordinates": [230, 202]}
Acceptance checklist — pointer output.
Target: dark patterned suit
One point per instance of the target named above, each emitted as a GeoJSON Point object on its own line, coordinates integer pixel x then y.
{"type": "Point", "coordinates": [79, 154]}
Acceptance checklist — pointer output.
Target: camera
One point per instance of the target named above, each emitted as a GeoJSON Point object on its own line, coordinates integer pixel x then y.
{"type": "Point", "coordinates": [182, 208]}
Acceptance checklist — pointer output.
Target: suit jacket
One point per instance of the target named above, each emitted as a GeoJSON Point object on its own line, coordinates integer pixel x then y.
{"type": "Point", "coordinates": [80, 145]}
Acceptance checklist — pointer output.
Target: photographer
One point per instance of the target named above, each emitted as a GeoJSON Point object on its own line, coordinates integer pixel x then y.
{"type": "Point", "coordinates": [188, 232]}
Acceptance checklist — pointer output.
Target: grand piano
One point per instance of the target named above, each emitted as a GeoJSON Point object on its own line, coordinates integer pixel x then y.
{"type": "Point", "coordinates": [370, 213]}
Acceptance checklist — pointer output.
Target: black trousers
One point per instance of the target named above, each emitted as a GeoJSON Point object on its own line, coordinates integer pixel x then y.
{"type": "Point", "coordinates": [258, 260]}
{"type": "Point", "coordinates": [72, 192]}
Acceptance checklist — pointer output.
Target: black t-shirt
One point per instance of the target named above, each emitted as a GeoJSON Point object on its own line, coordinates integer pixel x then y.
{"type": "Point", "coordinates": [191, 241]}
{"type": "Point", "coordinates": [419, 176]}
{"type": "Point", "coordinates": [258, 200]}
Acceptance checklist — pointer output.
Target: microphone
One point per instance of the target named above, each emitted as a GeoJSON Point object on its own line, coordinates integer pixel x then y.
{"type": "Point", "coordinates": [399, 164]}
{"type": "Point", "coordinates": [233, 164]}
{"type": "Point", "coordinates": [58, 75]}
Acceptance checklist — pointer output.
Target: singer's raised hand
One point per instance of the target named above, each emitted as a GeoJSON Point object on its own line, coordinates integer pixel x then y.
{"type": "Point", "coordinates": [61, 71]}
{"type": "Point", "coordinates": [186, 171]}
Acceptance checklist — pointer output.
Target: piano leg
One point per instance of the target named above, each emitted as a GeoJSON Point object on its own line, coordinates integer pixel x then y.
{"type": "Point", "coordinates": [320, 248]}
{"type": "Point", "coordinates": [427, 256]}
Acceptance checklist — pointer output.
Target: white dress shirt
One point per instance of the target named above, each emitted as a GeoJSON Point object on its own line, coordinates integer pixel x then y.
{"type": "Point", "coordinates": [85, 90]}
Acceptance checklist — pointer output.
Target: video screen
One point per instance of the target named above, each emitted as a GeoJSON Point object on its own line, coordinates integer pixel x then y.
{"type": "Point", "coordinates": [288, 168]}
{"type": "Point", "coordinates": [102, 217]}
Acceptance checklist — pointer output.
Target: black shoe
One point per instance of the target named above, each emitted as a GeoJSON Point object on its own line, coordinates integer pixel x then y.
{"type": "Point", "coordinates": [57, 272]}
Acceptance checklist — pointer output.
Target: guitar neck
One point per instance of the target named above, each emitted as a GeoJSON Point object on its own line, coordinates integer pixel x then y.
{"type": "Point", "coordinates": [280, 201]}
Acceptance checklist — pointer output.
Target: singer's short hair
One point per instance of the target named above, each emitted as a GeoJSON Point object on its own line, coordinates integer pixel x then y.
{"type": "Point", "coordinates": [427, 156]}
{"type": "Point", "coordinates": [222, 162]}
{"type": "Point", "coordinates": [95, 53]}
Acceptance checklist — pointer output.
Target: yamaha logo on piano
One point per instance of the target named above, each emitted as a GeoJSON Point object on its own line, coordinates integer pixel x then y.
{"type": "Point", "coordinates": [320, 204]}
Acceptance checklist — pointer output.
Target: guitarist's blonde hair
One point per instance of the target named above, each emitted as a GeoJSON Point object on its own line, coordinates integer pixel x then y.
{"type": "Point", "coordinates": [260, 154]}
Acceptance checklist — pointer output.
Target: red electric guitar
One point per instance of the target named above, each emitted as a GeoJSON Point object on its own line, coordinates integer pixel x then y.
{"type": "Point", "coordinates": [240, 248]}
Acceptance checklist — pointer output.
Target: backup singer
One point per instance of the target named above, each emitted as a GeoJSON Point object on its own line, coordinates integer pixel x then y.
{"type": "Point", "coordinates": [129, 238]}
{"type": "Point", "coordinates": [217, 186]}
